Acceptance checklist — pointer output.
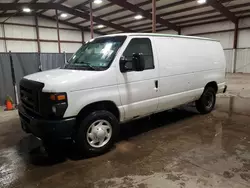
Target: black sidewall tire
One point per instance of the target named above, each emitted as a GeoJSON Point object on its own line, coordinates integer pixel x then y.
{"type": "Point", "coordinates": [81, 138]}
{"type": "Point", "coordinates": [200, 105]}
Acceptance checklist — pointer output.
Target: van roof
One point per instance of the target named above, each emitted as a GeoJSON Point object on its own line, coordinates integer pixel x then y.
{"type": "Point", "coordinates": [158, 35]}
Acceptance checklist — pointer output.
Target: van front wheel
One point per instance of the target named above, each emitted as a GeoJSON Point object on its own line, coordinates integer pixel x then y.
{"type": "Point", "coordinates": [97, 133]}
{"type": "Point", "coordinates": [207, 101]}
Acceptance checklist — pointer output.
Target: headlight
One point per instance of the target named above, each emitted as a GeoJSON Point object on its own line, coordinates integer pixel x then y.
{"type": "Point", "coordinates": [53, 105]}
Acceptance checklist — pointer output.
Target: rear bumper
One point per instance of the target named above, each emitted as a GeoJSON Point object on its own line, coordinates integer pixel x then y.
{"type": "Point", "coordinates": [46, 129]}
{"type": "Point", "coordinates": [222, 88]}
{"type": "Point", "coordinates": [225, 89]}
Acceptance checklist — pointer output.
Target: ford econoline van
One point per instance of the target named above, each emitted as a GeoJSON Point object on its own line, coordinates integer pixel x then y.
{"type": "Point", "coordinates": [117, 78]}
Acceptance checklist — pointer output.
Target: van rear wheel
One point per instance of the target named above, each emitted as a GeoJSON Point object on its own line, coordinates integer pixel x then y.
{"type": "Point", "coordinates": [207, 101]}
{"type": "Point", "coordinates": [97, 133]}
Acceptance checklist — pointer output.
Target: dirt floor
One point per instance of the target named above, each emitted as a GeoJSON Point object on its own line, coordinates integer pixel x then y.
{"type": "Point", "coordinates": [174, 149]}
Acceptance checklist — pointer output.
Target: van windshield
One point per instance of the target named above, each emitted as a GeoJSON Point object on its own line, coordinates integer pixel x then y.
{"type": "Point", "coordinates": [97, 54]}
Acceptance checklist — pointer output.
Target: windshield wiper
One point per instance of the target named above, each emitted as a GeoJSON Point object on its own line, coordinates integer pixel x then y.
{"type": "Point", "coordinates": [89, 65]}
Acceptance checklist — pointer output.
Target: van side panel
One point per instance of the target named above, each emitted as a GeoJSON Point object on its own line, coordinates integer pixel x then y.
{"type": "Point", "coordinates": [185, 67]}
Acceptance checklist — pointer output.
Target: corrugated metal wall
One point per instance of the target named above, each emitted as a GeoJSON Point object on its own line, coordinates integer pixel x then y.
{"type": "Point", "coordinates": [6, 87]}
{"type": "Point", "coordinates": [229, 60]}
{"type": "Point", "coordinates": [51, 61]}
{"type": "Point", "coordinates": [243, 60]}
{"type": "Point", "coordinates": [24, 64]}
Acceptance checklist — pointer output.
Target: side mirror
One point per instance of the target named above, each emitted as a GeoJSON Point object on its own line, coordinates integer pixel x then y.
{"type": "Point", "coordinates": [137, 63]}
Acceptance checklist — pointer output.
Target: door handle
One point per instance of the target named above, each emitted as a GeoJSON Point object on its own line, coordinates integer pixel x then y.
{"type": "Point", "coordinates": [156, 84]}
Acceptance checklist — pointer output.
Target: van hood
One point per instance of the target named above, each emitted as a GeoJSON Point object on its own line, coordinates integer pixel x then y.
{"type": "Point", "coordinates": [65, 80]}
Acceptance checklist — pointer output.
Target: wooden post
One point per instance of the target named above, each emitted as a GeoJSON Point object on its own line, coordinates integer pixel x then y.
{"type": "Point", "coordinates": [91, 19]}
{"type": "Point", "coordinates": [58, 33]}
{"type": "Point", "coordinates": [153, 16]}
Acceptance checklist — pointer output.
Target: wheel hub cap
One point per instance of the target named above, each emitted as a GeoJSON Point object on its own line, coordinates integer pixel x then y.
{"type": "Point", "coordinates": [99, 133]}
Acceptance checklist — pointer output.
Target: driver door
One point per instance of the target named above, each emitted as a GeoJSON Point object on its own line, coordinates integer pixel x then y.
{"type": "Point", "coordinates": [138, 89]}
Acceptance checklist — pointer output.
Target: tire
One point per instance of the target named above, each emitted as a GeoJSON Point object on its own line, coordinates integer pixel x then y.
{"type": "Point", "coordinates": [92, 130]}
{"type": "Point", "coordinates": [207, 101]}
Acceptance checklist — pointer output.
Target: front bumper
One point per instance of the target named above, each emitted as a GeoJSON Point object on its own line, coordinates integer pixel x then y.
{"type": "Point", "coordinates": [46, 129]}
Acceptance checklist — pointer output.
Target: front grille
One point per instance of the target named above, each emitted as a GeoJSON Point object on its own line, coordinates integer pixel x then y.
{"type": "Point", "coordinates": [29, 95]}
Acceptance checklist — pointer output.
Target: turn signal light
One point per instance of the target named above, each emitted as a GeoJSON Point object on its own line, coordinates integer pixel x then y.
{"type": "Point", "coordinates": [58, 97]}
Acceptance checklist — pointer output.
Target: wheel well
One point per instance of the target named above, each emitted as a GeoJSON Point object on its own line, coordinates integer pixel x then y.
{"type": "Point", "coordinates": [213, 85]}
{"type": "Point", "coordinates": [102, 105]}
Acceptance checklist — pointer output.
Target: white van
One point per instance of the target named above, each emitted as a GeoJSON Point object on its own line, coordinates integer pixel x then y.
{"type": "Point", "coordinates": [116, 78]}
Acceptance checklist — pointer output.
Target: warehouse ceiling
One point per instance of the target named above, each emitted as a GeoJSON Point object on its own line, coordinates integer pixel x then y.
{"type": "Point", "coordinates": [114, 16]}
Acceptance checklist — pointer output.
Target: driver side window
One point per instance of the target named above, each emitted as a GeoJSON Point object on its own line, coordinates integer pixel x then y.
{"type": "Point", "coordinates": [143, 46]}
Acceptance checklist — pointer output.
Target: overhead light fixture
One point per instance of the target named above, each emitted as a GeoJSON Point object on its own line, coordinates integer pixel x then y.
{"type": "Point", "coordinates": [97, 1]}
{"type": "Point", "coordinates": [201, 1]}
{"type": "Point", "coordinates": [100, 26]}
{"type": "Point", "coordinates": [138, 17]}
{"type": "Point", "coordinates": [26, 9]}
{"type": "Point", "coordinates": [64, 15]}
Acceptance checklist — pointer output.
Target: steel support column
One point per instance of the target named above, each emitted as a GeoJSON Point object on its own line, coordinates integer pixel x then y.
{"type": "Point", "coordinates": [235, 44]}
{"type": "Point", "coordinates": [37, 35]}
{"type": "Point", "coordinates": [83, 41]}
{"type": "Point", "coordinates": [153, 16]}
{"type": "Point", "coordinates": [91, 19]}
{"type": "Point", "coordinates": [179, 31]}
{"type": "Point", "coordinates": [58, 33]}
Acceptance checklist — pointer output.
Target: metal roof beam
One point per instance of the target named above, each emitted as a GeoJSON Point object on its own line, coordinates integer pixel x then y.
{"type": "Point", "coordinates": [37, 6]}
{"type": "Point", "coordinates": [53, 19]}
{"type": "Point", "coordinates": [144, 13]}
{"type": "Point", "coordinates": [223, 10]}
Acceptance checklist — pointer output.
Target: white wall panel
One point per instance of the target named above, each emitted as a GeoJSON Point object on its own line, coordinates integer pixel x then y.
{"type": "Point", "coordinates": [45, 22]}
{"type": "Point", "coordinates": [49, 47]}
{"type": "Point", "coordinates": [2, 48]}
{"type": "Point", "coordinates": [244, 38]}
{"type": "Point", "coordinates": [70, 47]}
{"type": "Point", "coordinates": [22, 20]}
{"type": "Point", "coordinates": [245, 22]}
{"type": "Point", "coordinates": [66, 26]}
{"type": "Point", "coordinates": [21, 46]}
{"type": "Point", "coordinates": [226, 38]}
{"type": "Point", "coordinates": [208, 28]}
{"type": "Point", "coordinates": [49, 34]}
{"type": "Point", "coordinates": [87, 36]}
{"type": "Point", "coordinates": [16, 31]}
{"type": "Point", "coordinates": [2, 18]}
{"type": "Point", "coordinates": [243, 60]}
{"type": "Point", "coordinates": [70, 35]}
{"type": "Point", "coordinates": [172, 32]}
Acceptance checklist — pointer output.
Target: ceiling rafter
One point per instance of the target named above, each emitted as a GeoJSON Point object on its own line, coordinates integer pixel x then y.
{"type": "Point", "coordinates": [51, 1]}
{"type": "Point", "coordinates": [157, 8]}
{"type": "Point", "coordinates": [37, 6]}
{"type": "Point", "coordinates": [15, 1]}
{"type": "Point", "coordinates": [119, 10]}
{"type": "Point", "coordinates": [144, 13]}
{"type": "Point", "coordinates": [50, 18]}
{"type": "Point", "coordinates": [202, 23]}
{"type": "Point", "coordinates": [223, 10]}
{"type": "Point", "coordinates": [94, 10]}
{"type": "Point", "coordinates": [188, 9]}
{"type": "Point", "coordinates": [198, 19]}
{"type": "Point", "coordinates": [196, 14]}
